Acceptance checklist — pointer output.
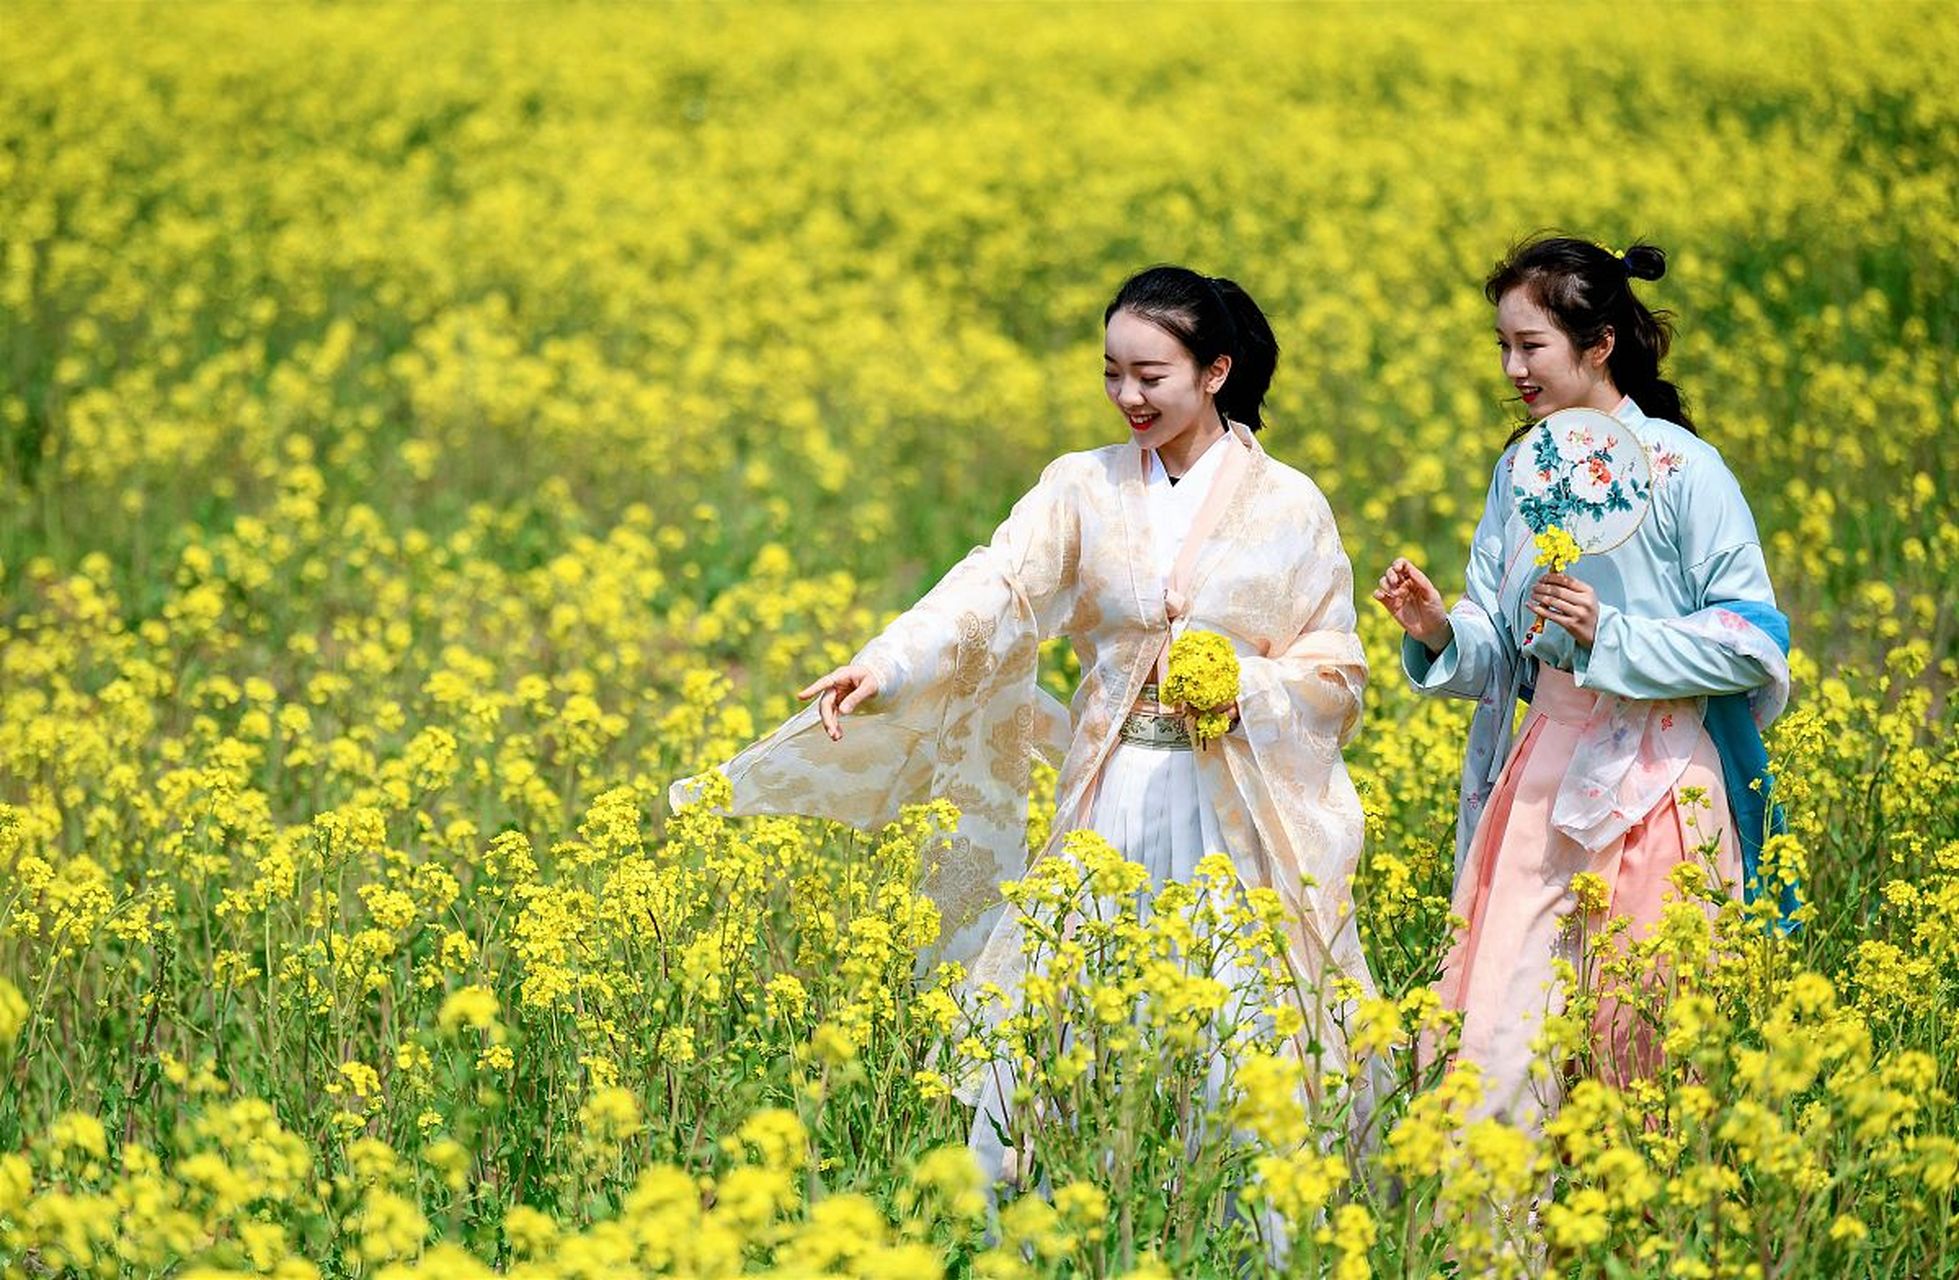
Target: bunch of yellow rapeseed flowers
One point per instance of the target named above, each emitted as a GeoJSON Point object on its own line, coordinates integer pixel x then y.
{"type": "Point", "coordinates": [1203, 676]}
{"type": "Point", "coordinates": [1556, 548]}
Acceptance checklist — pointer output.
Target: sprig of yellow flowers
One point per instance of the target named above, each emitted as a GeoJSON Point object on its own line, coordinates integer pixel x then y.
{"type": "Point", "coordinates": [1203, 677]}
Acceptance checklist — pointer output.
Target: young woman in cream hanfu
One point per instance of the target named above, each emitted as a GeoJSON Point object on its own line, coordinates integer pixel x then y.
{"type": "Point", "coordinates": [1185, 523]}
{"type": "Point", "coordinates": [1650, 674]}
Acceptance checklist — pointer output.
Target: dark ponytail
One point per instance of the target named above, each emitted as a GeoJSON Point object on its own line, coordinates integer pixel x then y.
{"type": "Point", "coordinates": [1587, 290]}
{"type": "Point", "coordinates": [1211, 316]}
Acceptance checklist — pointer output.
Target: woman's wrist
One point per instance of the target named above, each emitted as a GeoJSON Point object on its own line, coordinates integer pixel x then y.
{"type": "Point", "coordinates": [1435, 642]}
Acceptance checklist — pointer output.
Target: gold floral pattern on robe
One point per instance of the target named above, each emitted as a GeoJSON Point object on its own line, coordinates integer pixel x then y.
{"type": "Point", "coordinates": [959, 712]}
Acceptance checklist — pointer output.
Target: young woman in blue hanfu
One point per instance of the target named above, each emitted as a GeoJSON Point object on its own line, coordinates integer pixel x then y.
{"type": "Point", "coordinates": [1649, 670]}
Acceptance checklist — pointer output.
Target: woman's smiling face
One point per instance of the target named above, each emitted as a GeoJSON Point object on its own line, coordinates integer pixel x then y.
{"type": "Point", "coordinates": [1153, 379]}
{"type": "Point", "coordinates": [1548, 372]}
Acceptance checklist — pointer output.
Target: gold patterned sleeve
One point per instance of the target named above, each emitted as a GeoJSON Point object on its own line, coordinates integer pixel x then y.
{"type": "Point", "coordinates": [962, 719]}
{"type": "Point", "coordinates": [1299, 702]}
{"type": "Point", "coordinates": [1310, 690]}
{"type": "Point", "coordinates": [946, 641]}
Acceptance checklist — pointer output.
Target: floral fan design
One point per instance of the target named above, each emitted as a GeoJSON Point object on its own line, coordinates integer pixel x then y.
{"type": "Point", "coordinates": [1584, 472]}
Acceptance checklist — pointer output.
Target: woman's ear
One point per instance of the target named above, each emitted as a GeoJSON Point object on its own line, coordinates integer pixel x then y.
{"type": "Point", "coordinates": [1215, 375]}
{"type": "Point", "coordinates": [1602, 350]}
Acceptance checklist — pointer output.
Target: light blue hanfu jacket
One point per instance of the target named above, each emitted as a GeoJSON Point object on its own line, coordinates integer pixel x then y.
{"type": "Point", "coordinates": [1687, 617]}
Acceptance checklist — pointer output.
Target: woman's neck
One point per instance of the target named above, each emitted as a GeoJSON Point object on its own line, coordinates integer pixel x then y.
{"type": "Point", "coordinates": [1605, 397]}
{"type": "Point", "coordinates": [1181, 454]}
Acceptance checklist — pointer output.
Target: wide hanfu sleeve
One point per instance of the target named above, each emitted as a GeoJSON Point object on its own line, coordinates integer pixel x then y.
{"type": "Point", "coordinates": [1298, 705]}
{"type": "Point", "coordinates": [958, 715]}
{"type": "Point", "coordinates": [1479, 648]}
{"type": "Point", "coordinates": [1482, 660]}
{"type": "Point", "coordinates": [1721, 563]}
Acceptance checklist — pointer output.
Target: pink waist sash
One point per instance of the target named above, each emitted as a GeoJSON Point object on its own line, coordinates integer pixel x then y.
{"type": "Point", "coordinates": [1559, 698]}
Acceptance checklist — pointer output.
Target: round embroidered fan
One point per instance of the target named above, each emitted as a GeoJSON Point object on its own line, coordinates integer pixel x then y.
{"type": "Point", "coordinates": [1585, 472]}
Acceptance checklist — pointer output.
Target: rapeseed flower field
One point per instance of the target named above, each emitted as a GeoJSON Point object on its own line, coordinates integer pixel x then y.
{"type": "Point", "coordinates": [426, 432]}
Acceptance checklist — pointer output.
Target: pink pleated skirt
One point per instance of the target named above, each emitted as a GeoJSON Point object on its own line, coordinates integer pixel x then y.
{"type": "Point", "coordinates": [1515, 895]}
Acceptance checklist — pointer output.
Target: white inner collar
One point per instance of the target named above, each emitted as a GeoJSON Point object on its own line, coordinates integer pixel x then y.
{"type": "Point", "coordinates": [1200, 470]}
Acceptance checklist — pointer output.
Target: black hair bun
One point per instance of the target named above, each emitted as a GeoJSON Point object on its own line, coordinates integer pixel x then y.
{"type": "Point", "coordinates": [1646, 262]}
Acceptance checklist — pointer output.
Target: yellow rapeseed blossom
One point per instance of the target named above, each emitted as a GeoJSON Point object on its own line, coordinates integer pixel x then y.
{"type": "Point", "coordinates": [13, 1014]}
{"type": "Point", "coordinates": [473, 1006]}
{"type": "Point", "coordinates": [1557, 550]}
{"type": "Point", "coordinates": [425, 437]}
{"type": "Point", "coordinates": [1203, 676]}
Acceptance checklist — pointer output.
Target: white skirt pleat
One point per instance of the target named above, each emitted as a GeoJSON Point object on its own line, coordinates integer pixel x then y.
{"type": "Point", "coordinates": [1151, 809]}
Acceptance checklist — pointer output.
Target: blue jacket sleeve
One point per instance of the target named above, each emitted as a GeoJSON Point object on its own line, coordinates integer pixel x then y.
{"type": "Point", "coordinates": [1721, 559]}
{"type": "Point", "coordinates": [1478, 644]}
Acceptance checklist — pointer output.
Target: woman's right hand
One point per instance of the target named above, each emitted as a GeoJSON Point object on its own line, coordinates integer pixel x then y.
{"type": "Point", "coordinates": [840, 693]}
{"type": "Point", "coordinates": [1407, 594]}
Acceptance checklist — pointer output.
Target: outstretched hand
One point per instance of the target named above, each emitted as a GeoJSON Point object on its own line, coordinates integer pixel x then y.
{"type": "Point", "coordinates": [1407, 594]}
{"type": "Point", "coordinates": [840, 693]}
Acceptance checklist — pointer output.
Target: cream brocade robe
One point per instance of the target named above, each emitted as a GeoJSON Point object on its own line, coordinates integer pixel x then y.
{"type": "Point", "coordinates": [959, 713]}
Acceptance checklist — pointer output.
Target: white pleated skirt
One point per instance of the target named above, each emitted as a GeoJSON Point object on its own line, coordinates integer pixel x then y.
{"type": "Point", "coordinates": [1152, 810]}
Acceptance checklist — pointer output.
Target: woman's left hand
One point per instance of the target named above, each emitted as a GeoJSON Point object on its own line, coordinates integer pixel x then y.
{"type": "Point", "coordinates": [1573, 605]}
